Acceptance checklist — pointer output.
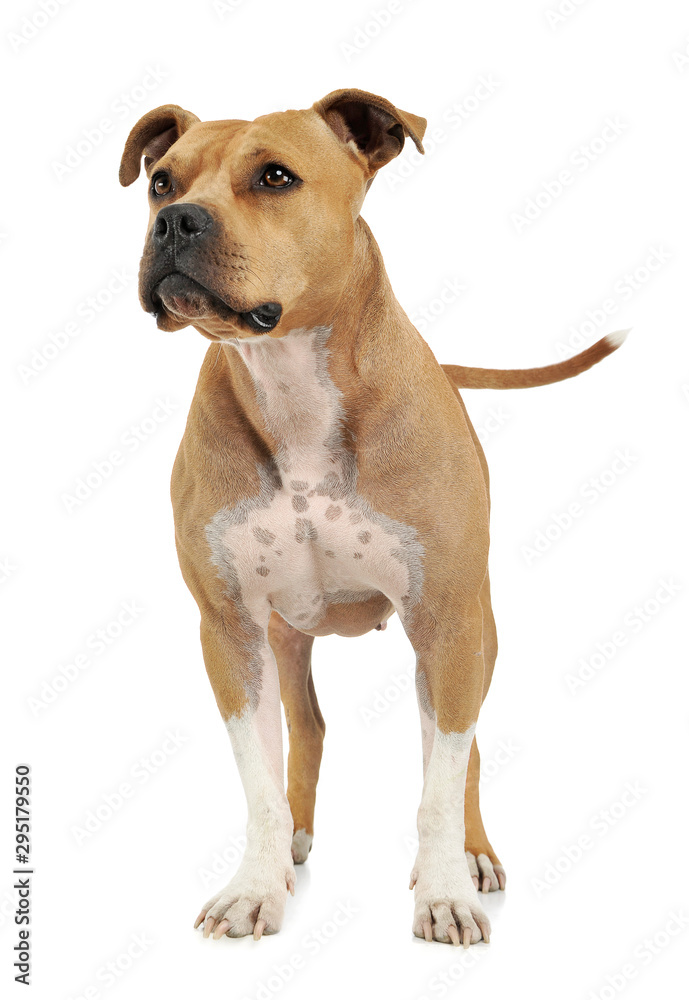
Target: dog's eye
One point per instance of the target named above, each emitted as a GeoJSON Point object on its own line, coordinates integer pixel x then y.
{"type": "Point", "coordinates": [275, 176]}
{"type": "Point", "coordinates": [162, 184]}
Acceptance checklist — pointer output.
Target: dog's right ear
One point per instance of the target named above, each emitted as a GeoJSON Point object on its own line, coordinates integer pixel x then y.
{"type": "Point", "coordinates": [151, 137]}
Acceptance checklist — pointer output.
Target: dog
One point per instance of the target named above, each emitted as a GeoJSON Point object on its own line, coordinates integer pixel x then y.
{"type": "Point", "coordinates": [328, 477]}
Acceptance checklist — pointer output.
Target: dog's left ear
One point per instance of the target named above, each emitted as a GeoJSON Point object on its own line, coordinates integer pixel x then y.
{"type": "Point", "coordinates": [374, 128]}
{"type": "Point", "coordinates": [151, 137]}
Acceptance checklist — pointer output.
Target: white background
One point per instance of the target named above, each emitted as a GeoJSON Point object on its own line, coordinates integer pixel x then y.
{"type": "Point", "coordinates": [67, 573]}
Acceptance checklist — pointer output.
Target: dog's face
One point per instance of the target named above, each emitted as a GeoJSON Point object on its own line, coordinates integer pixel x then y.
{"type": "Point", "coordinates": [252, 224]}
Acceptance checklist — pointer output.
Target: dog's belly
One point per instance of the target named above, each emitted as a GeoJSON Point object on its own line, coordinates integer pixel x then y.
{"type": "Point", "coordinates": [318, 554]}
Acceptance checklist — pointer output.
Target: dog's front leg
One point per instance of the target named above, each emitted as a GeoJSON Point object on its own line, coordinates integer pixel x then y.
{"type": "Point", "coordinates": [244, 676]}
{"type": "Point", "coordinates": [449, 689]}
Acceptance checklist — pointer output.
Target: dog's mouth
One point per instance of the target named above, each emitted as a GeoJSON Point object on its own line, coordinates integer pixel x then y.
{"type": "Point", "coordinates": [188, 299]}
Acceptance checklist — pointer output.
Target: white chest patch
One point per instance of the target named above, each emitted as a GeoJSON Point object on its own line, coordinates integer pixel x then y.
{"type": "Point", "coordinates": [308, 539]}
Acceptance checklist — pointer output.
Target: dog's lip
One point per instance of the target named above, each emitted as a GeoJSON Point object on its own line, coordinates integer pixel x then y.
{"type": "Point", "coordinates": [181, 306]}
{"type": "Point", "coordinates": [182, 292]}
{"type": "Point", "coordinates": [188, 298]}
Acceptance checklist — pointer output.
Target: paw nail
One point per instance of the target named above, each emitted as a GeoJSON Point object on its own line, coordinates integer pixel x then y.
{"type": "Point", "coordinates": [221, 929]}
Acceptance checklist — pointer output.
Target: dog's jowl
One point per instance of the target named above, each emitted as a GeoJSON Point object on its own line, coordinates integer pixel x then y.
{"type": "Point", "coordinates": [328, 477]}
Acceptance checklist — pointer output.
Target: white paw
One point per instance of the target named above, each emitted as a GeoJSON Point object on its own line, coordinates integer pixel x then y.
{"type": "Point", "coordinates": [252, 903]}
{"type": "Point", "coordinates": [446, 907]}
{"type": "Point", "coordinates": [486, 876]}
{"type": "Point", "coordinates": [301, 845]}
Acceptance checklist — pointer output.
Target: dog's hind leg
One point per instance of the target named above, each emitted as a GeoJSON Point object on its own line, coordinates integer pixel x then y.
{"type": "Point", "coordinates": [486, 871]}
{"type": "Point", "coordinates": [306, 727]}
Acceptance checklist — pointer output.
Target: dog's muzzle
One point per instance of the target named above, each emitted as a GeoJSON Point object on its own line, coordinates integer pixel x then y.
{"type": "Point", "coordinates": [178, 236]}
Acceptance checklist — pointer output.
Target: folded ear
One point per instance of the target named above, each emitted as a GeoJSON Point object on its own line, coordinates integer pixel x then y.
{"type": "Point", "coordinates": [151, 137]}
{"type": "Point", "coordinates": [375, 127]}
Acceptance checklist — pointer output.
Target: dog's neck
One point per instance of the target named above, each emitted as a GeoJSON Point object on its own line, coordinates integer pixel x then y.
{"type": "Point", "coordinates": [296, 401]}
{"type": "Point", "coordinates": [298, 391]}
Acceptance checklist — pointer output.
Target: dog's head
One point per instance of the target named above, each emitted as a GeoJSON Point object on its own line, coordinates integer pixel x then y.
{"type": "Point", "coordinates": [252, 224]}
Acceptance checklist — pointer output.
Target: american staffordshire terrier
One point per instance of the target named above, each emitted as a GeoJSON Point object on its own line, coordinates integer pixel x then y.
{"type": "Point", "coordinates": [328, 477]}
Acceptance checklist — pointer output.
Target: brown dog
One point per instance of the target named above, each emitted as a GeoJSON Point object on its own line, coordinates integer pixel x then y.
{"type": "Point", "coordinates": [328, 477]}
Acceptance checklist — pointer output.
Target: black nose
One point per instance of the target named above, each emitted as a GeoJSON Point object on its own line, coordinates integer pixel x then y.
{"type": "Point", "coordinates": [177, 225]}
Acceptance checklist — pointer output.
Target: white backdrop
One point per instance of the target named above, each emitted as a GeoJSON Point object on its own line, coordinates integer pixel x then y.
{"type": "Point", "coordinates": [551, 207]}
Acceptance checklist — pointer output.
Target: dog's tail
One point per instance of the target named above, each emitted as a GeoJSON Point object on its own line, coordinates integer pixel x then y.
{"type": "Point", "coordinates": [525, 378]}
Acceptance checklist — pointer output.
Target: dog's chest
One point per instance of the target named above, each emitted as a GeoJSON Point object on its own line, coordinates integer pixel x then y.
{"type": "Point", "coordinates": [308, 539]}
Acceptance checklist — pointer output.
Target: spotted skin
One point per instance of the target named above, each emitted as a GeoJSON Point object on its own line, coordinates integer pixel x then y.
{"type": "Point", "coordinates": [319, 547]}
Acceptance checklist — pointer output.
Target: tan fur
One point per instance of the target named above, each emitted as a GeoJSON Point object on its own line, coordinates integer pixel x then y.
{"type": "Point", "coordinates": [527, 378]}
{"type": "Point", "coordinates": [418, 459]}
{"type": "Point", "coordinates": [304, 720]}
